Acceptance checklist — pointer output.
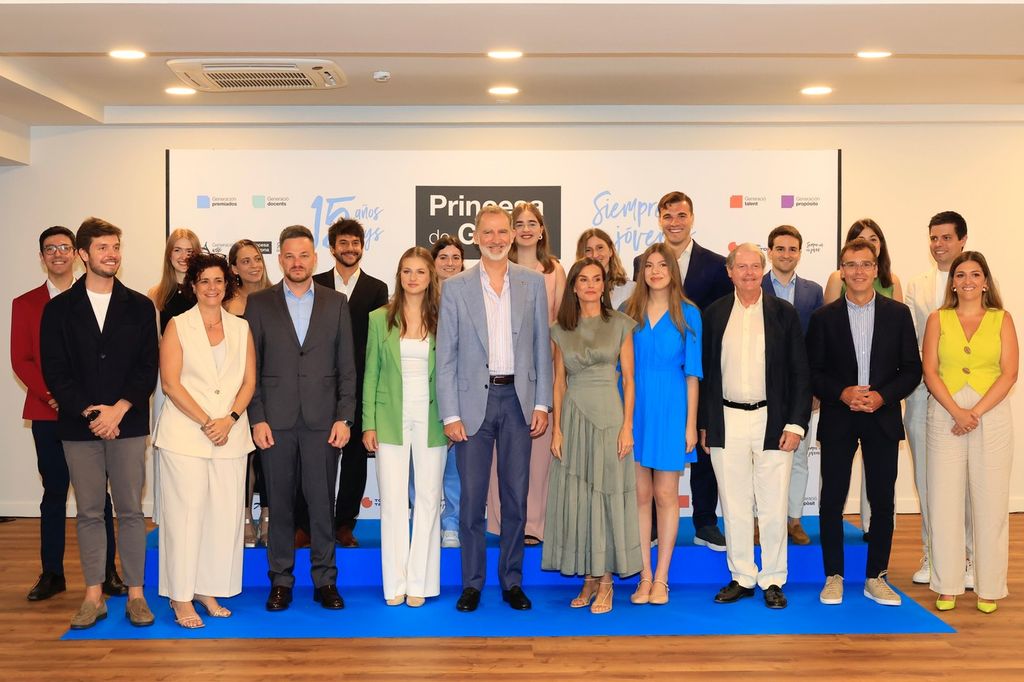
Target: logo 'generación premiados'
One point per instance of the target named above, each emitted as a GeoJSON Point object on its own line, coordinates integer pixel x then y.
{"type": "Point", "coordinates": [208, 201]}
{"type": "Point", "coordinates": [452, 210]}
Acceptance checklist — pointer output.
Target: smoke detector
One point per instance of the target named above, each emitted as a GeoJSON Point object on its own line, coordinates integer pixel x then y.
{"type": "Point", "coordinates": [241, 74]}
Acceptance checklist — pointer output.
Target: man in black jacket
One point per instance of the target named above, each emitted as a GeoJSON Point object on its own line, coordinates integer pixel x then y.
{"type": "Point", "coordinates": [864, 361]}
{"type": "Point", "coordinates": [754, 409]}
{"type": "Point", "coordinates": [98, 345]}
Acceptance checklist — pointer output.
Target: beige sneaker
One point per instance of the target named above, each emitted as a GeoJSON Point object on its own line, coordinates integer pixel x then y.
{"type": "Point", "coordinates": [138, 613]}
{"type": "Point", "coordinates": [88, 614]}
{"type": "Point", "coordinates": [878, 591]}
{"type": "Point", "coordinates": [832, 593]}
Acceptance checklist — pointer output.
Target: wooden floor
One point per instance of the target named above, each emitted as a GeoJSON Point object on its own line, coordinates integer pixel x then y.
{"type": "Point", "coordinates": [984, 647]}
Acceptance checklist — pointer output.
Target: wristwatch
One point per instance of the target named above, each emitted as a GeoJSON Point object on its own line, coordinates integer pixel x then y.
{"type": "Point", "coordinates": [235, 416]}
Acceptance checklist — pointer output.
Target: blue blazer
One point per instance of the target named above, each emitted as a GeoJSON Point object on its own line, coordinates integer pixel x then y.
{"type": "Point", "coordinates": [462, 345]}
{"type": "Point", "coordinates": [807, 298]}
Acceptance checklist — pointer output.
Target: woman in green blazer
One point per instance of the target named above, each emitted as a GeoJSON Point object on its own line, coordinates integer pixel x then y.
{"type": "Point", "coordinates": [400, 417]}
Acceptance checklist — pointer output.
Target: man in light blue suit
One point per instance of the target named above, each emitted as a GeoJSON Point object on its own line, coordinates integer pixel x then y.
{"type": "Point", "coordinates": [493, 386]}
{"type": "Point", "coordinates": [785, 246]}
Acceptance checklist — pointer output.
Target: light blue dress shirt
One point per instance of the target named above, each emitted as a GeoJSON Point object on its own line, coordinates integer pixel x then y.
{"type": "Point", "coordinates": [862, 326]}
{"type": "Point", "coordinates": [786, 292]}
{"type": "Point", "coordinates": [300, 309]}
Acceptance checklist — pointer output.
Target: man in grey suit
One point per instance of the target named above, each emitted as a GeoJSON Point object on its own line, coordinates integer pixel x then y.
{"type": "Point", "coordinates": [301, 411]}
{"type": "Point", "coordinates": [494, 386]}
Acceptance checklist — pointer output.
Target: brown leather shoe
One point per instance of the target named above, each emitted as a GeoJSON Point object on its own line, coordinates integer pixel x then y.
{"type": "Point", "coordinates": [797, 534]}
{"type": "Point", "coordinates": [343, 536]}
{"type": "Point", "coordinates": [301, 539]}
{"type": "Point", "coordinates": [138, 614]}
{"type": "Point", "coordinates": [88, 614]}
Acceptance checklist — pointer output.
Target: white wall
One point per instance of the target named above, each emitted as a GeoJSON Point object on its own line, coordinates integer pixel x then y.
{"type": "Point", "coordinates": [899, 174]}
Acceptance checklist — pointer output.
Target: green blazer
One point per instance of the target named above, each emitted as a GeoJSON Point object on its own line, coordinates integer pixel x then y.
{"type": "Point", "coordinates": [382, 385]}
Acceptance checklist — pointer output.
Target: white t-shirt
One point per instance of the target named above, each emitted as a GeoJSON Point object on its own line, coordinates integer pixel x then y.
{"type": "Point", "coordinates": [100, 303]}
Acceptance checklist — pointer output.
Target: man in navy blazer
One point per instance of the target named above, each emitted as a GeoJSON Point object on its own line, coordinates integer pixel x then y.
{"type": "Point", "coordinates": [785, 246]}
{"type": "Point", "coordinates": [494, 386]}
{"type": "Point", "coordinates": [704, 281]}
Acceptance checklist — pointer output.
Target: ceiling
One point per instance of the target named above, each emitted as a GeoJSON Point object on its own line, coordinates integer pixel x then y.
{"type": "Point", "coordinates": [54, 68]}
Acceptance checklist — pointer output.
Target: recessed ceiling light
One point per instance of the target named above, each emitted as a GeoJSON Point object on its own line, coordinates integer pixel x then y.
{"type": "Point", "coordinates": [127, 54]}
{"type": "Point", "coordinates": [874, 54]}
{"type": "Point", "coordinates": [504, 54]}
{"type": "Point", "coordinates": [817, 90]}
{"type": "Point", "coordinates": [503, 90]}
{"type": "Point", "coordinates": [180, 91]}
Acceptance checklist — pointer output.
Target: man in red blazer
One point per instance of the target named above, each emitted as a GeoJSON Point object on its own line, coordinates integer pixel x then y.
{"type": "Point", "coordinates": [57, 254]}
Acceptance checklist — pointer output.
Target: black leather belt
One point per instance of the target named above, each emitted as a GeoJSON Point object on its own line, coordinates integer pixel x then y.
{"type": "Point", "coordinates": [749, 407]}
{"type": "Point", "coordinates": [503, 379]}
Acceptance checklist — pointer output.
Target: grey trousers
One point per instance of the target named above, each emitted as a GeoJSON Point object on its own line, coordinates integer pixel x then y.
{"type": "Point", "coordinates": [91, 464]}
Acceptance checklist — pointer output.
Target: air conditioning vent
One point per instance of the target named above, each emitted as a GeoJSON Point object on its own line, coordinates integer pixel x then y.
{"type": "Point", "coordinates": [246, 75]}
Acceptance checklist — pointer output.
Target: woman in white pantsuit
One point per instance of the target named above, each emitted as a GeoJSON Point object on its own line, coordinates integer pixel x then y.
{"type": "Point", "coordinates": [970, 358]}
{"type": "Point", "coordinates": [399, 415]}
{"type": "Point", "coordinates": [208, 372]}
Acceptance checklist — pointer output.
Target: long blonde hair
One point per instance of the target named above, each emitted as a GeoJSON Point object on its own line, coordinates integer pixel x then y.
{"type": "Point", "coordinates": [636, 306]}
{"type": "Point", "coordinates": [544, 256]}
{"type": "Point", "coordinates": [168, 278]}
{"type": "Point", "coordinates": [616, 273]}
{"type": "Point", "coordinates": [431, 300]}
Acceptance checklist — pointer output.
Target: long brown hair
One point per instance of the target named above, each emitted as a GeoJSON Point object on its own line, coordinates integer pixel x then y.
{"type": "Point", "coordinates": [884, 262]}
{"type": "Point", "coordinates": [990, 297]}
{"type": "Point", "coordinates": [616, 273]}
{"type": "Point", "coordinates": [168, 280]}
{"type": "Point", "coordinates": [544, 255]}
{"type": "Point", "coordinates": [569, 310]}
{"type": "Point", "coordinates": [233, 261]}
{"type": "Point", "coordinates": [636, 306]}
{"type": "Point", "coordinates": [431, 298]}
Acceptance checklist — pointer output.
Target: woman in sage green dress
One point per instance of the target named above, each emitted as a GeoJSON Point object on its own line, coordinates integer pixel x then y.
{"type": "Point", "coordinates": [591, 523]}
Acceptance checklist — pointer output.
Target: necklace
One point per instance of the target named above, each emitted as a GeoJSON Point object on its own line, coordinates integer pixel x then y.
{"type": "Point", "coordinates": [211, 325]}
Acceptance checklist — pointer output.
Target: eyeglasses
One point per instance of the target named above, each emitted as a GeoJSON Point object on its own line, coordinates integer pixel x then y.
{"type": "Point", "coordinates": [858, 265]}
{"type": "Point", "coordinates": [51, 249]}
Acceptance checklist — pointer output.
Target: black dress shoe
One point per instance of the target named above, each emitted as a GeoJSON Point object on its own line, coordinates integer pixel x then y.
{"type": "Point", "coordinates": [113, 586]}
{"type": "Point", "coordinates": [733, 592]}
{"type": "Point", "coordinates": [328, 597]}
{"type": "Point", "coordinates": [279, 599]}
{"type": "Point", "coordinates": [48, 585]}
{"type": "Point", "coordinates": [517, 599]}
{"type": "Point", "coordinates": [468, 600]}
{"type": "Point", "coordinates": [774, 599]}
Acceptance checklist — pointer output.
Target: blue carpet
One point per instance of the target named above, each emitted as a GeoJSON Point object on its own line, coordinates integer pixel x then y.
{"type": "Point", "coordinates": [697, 573]}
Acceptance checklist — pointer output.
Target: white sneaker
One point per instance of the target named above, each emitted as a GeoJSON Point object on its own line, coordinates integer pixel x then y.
{"type": "Point", "coordinates": [450, 538]}
{"type": "Point", "coordinates": [832, 593]}
{"type": "Point", "coordinates": [923, 576]}
{"type": "Point", "coordinates": [879, 591]}
{"type": "Point", "coordinates": [969, 575]}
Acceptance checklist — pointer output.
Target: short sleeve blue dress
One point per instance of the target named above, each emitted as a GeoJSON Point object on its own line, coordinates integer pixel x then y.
{"type": "Point", "coordinates": [664, 359]}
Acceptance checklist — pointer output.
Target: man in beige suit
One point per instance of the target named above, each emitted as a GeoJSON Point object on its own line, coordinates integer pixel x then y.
{"type": "Point", "coordinates": [947, 236]}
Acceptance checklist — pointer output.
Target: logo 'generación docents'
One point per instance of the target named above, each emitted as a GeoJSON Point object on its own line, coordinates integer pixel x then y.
{"type": "Point", "coordinates": [452, 210]}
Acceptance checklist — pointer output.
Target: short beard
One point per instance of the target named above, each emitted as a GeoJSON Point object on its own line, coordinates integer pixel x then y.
{"type": "Point", "coordinates": [358, 258]}
{"type": "Point", "coordinates": [290, 278]}
{"type": "Point", "coordinates": [486, 254]}
{"type": "Point", "coordinates": [96, 272]}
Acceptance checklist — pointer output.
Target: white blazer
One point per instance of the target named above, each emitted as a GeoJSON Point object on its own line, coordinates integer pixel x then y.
{"type": "Point", "coordinates": [214, 390]}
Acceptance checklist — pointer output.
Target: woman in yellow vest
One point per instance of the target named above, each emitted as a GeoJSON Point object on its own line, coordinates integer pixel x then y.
{"type": "Point", "coordinates": [399, 415]}
{"type": "Point", "coordinates": [970, 359]}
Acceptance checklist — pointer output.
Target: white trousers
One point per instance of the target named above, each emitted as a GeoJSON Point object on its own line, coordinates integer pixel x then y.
{"type": "Point", "coordinates": [970, 471]}
{"type": "Point", "coordinates": [411, 567]}
{"type": "Point", "coordinates": [749, 475]}
{"type": "Point", "coordinates": [201, 529]}
{"type": "Point", "coordinates": [915, 420]}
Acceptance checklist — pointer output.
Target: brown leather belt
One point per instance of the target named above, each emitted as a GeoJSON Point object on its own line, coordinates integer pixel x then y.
{"type": "Point", "coordinates": [503, 379]}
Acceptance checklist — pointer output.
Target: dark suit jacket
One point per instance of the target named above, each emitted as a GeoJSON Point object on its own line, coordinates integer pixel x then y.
{"type": "Point", "coordinates": [895, 364]}
{"type": "Point", "coordinates": [706, 279]}
{"type": "Point", "coordinates": [369, 294]}
{"type": "Point", "coordinates": [316, 379]}
{"type": "Point", "coordinates": [83, 366]}
{"type": "Point", "coordinates": [807, 298]}
{"type": "Point", "coordinates": [787, 375]}
{"type": "Point", "coordinates": [26, 316]}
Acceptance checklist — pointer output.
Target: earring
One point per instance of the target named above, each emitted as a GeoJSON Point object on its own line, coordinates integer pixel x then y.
{"type": "Point", "coordinates": [984, 289]}
{"type": "Point", "coordinates": [954, 289]}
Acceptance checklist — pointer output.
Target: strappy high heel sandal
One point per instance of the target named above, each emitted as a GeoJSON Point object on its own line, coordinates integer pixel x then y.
{"type": "Point", "coordinates": [189, 622]}
{"type": "Point", "coordinates": [585, 596]}
{"type": "Point", "coordinates": [658, 597]}
{"type": "Point", "coordinates": [639, 597]}
{"type": "Point", "coordinates": [217, 611]}
{"type": "Point", "coordinates": [603, 603]}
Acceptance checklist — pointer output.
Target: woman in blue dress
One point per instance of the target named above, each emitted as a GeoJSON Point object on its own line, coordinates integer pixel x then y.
{"type": "Point", "coordinates": [667, 345]}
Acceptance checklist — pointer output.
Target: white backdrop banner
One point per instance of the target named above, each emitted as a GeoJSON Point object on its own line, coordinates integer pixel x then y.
{"type": "Point", "coordinates": [404, 198]}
